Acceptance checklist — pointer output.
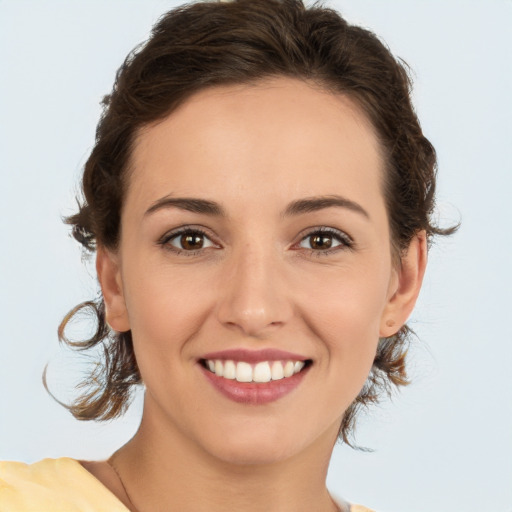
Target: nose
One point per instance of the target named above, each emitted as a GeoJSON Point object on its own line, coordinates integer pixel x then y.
{"type": "Point", "coordinates": [253, 298]}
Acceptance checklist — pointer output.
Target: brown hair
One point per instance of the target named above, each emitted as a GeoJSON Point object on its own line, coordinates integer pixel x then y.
{"type": "Point", "coordinates": [207, 44]}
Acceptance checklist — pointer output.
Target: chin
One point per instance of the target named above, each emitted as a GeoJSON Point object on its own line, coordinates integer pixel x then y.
{"type": "Point", "coordinates": [260, 453]}
{"type": "Point", "coordinates": [258, 444]}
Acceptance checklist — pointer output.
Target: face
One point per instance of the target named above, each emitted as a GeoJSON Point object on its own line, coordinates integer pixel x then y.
{"type": "Point", "coordinates": [255, 244]}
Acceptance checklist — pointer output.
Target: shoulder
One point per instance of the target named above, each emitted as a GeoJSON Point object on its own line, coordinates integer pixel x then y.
{"type": "Point", "coordinates": [53, 484]}
{"type": "Point", "coordinates": [359, 508]}
{"type": "Point", "coordinates": [344, 506]}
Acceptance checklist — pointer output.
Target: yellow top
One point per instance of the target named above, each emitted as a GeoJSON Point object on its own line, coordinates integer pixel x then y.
{"type": "Point", "coordinates": [53, 485]}
{"type": "Point", "coordinates": [60, 485]}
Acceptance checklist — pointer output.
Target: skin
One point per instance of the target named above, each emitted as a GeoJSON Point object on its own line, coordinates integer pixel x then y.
{"type": "Point", "coordinates": [257, 282]}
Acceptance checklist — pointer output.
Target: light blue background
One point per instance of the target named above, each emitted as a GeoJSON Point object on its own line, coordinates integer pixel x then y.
{"type": "Point", "coordinates": [445, 443]}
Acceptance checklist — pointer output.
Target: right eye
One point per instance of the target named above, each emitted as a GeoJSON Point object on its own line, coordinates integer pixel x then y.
{"type": "Point", "coordinates": [188, 241]}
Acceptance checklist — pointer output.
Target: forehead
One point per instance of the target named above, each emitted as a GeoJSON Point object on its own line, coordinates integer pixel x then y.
{"type": "Point", "coordinates": [278, 138]}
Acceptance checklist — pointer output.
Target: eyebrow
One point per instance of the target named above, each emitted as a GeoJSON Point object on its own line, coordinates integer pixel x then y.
{"type": "Point", "coordinates": [313, 204]}
{"type": "Point", "coordinates": [189, 204]}
{"type": "Point", "coordinates": [298, 207]}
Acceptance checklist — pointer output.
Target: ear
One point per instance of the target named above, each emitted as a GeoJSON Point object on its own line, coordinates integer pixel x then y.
{"type": "Point", "coordinates": [405, 286]}
{"type": "Point", "coordinates": [109, 276]}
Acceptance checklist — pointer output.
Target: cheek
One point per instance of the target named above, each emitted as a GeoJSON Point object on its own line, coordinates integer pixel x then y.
{"type": "Point", "coordinates": [345, 315]}
{"type": "Point", "coordinates": [347, 302]}
{"type": "Point", "coordinates": [164, 312]}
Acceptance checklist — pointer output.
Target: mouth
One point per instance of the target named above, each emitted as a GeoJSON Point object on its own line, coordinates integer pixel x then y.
{"type": "Point", "coordinates": [254, 377]}
{"type": "Point", "coordinates": [261, 372]}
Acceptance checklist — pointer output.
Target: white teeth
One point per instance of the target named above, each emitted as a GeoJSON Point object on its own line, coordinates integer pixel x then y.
{"type": "Point", "coordinates": [297, 367]}
{"type": "Point", "coordinates": [219, 370]}
{"type": "Point", "coordinates": [277, 370]}
{"type": "Point", "coordinates": [262, 372]}
{"type": "Point", "coordinates": [243, 372]}
{"type": "Point", "coordinates": [289, 368]}
{"type": "Point", "coordinates": [229, 370]}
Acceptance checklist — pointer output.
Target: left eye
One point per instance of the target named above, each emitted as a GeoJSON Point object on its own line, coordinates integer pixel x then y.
{"type": "Point", "coordinates": [324, 240]}
{"type": "Point", "coordinates": [189, 241]}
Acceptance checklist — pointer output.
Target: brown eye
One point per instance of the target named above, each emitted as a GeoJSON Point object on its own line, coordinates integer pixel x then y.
{"type": "Point", "coordinates": [321, 241]}
{"type": "Point", "coordinates": [187, 241]}
{"type": "Point", "coordinates": [326, 239]}
{"type": "Point", "coordinates": [190, 242]}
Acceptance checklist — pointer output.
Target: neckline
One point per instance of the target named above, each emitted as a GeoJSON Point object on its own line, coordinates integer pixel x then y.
{"type": "Point", "coordinates": [343, 505]}
{"type": "Point", "coordinates": [81, 464]}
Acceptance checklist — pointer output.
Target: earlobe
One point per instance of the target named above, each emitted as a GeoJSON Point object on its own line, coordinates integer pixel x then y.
{"type": "Point", "coordinates": [407, 288]}
{"type": "Point", "coordinates": [109, 276]}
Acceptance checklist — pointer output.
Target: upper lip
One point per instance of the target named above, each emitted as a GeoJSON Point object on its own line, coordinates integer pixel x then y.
{"type": "Point", "coordinates": [254, 356]}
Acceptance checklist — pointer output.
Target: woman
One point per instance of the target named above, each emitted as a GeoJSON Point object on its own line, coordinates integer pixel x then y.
{"type": "Point", "coordinates": [259, 200]}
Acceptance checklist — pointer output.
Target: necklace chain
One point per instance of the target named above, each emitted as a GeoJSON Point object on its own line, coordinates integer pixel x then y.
{"type": "Point", "coordinates": [110, 462]}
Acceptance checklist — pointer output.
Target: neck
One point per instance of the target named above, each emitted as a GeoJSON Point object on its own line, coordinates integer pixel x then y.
{"type": "Point", "coordinates": [164, 470]}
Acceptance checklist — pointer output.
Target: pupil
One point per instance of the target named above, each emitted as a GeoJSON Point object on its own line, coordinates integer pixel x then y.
{"type": "Point", "coordinates": [321, 242]}
{"type": "Point", "coordinates": [192, 241]}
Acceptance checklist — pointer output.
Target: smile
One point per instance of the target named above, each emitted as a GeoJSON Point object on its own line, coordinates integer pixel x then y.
{"type": "Point", "coordinates": [264, 371]}
{"type": "Point", "coordinates": [254, 377]}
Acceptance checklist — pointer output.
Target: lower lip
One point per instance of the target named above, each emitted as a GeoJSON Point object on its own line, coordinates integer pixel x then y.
{"type": "Point", "coordinates": [252, 392]}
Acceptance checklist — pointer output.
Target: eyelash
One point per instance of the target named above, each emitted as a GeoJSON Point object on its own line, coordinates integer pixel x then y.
{"type": "Point", "coordinates": [345, 241]}
{"type": "Point", "coordinates": [187, 230]}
